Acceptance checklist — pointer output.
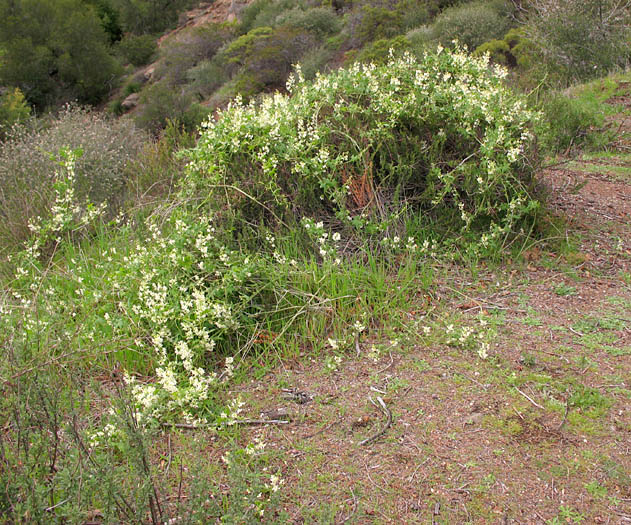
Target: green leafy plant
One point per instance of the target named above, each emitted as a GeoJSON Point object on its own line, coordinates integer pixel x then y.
{"type": "Point", "coordinates": [442, 137]}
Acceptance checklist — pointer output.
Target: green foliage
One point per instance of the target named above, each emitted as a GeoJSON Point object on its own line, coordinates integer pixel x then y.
{"type": "Point", "coordinates": [320, 21]}
{"type": "Point", "coordinates": [374, 23]}
{"type": "Point", "coordinates": [579, 40]}
{"type": "Point", "coordinates": [55, 50]}
{"type": "Point", "coordinates": [188, 48]}
{"type": "Point", "coordinates": [160, 102]}
{"type": "Point", "coordinates": [380, 51]}
{"type": "Point", "coordinates": [149, 16]}
{"type": "Point", "coordinates": [110, 18]}
{"type": "Point", "coordinates": [571, 121]}
{"type": "Point", "coordinates": [315, 60]}
{"type": "Point", "coordinates": [137, 50]}
{"type": "Point", "coordinates": [27, 171]}
{"type": "Point", "coordinates": [442, 136]}
{"type": "Point", "coordinates": [206, 77]}
{"type": "Point", "coordinates": [13, 109]}
{"type": "Point", "coordinates": [472, 23]}
{"type": "Point", "coordinates": [264, 57]}
{"type": "Point", "coordinates": [263, 13]}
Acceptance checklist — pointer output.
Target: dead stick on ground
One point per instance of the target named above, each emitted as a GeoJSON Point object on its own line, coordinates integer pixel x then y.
{"type": "Point", "coordinates": [388, 366]}
{"type": "Point", "coordinates": [388, 414]}
{"type": "Point", "coordinates": [530, 399]}
{"type": "Point", "coordinates": [354, 508]}
{"type": "Point", "coordinates": [567, 411]}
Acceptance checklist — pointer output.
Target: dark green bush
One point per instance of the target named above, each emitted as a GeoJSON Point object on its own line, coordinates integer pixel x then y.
{"type": "Point", "coordinates": [370, 23]}
{"type": "Point", "coordinates": [149, 16]}
{"type": "Point", "coordinates": [263, 13]}
{"type": "Point", "coordinates": [55, 50]}
{"type": "Point", "coordinates": [472, 24]}
{"type": "Point", "coordinates": [160, 102]}
{"type": "Point", "coordinates": [206, 77]}
{"type": "Point", "coordinates": [137, 50]}
{"type": "Point", "coordinates": [318, 20]}
{"type": "Point", "coordinates": [315, 60]}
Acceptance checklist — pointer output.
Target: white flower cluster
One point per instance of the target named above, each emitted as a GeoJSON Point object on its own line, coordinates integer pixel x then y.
{"type": "Point", "coordinates": [184, 312]}
{"type": "Point", "coordinates": [306, 134]}
{"type": "Point", "coordinates": [478, 338]}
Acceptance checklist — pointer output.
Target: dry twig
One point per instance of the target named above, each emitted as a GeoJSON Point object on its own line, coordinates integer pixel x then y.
{"type": "Point", "coordinates": [381, 432]}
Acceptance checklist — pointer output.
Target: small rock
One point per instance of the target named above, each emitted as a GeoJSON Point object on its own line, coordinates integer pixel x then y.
{"type": "Point", "coordinates": [131, 101]}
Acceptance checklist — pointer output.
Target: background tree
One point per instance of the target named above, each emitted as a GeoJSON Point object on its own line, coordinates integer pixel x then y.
{"type": "Point", "coordinates": [55, 50]}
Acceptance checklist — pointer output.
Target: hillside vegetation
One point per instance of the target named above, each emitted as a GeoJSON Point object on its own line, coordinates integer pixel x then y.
{"type": "Point", "coordinates": [340, 263]}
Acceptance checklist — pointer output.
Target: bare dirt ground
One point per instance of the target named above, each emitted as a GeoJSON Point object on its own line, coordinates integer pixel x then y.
{"type": "Point", "coordinates": [539, 432]}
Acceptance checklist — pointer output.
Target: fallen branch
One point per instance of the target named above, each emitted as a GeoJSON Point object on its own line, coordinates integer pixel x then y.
{"type": "Point", "coordinates": [388, 414]}
{"type": "Point", "coordinates": [530, 399]}
{"type": "Point", "coordinates": [387, 366]}
{"type": "Point", "coordinates": [567, 411]}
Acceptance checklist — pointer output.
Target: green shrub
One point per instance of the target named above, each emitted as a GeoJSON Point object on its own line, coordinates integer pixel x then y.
{"type": "Point", "coordinates": [570, 121]}
{"type": "Point", "coordinates": [188, 48]}
{"type": "Point", "coordinates": [27, 172]}
{"type": "Point", "coordinates": [137, 49]}
{"type": "Point", "coordinates": [370, 23]}
{"type": "Point", "coordinates": [414, 13]}
{"type": "Point", "coordinates": [471, 24]}
{"type": "Point", "coordinates": [263, 13]}
{"type": "Point", "coordinates": [264, 57]}
{"type": "Point", "coordinates": [499, 52]}
{"type": "Point", "coordinates": [55, 51]}
{"type": "Point", "coordinates": [315, 60]}
{"type": "Point", "coordinates": [160, 102]}
{"type": "Point", "coordinates": [443, 137]}
{"type": "Point", "coordinates": [149, 16]}
{"type": "Point", "coordinates": [380, 51]}
{"type": "Point", "coordinates": [318, 20]}
{"type": "Point", "coordinates": [206, 77]}
{"type": "Point", "coordinates": [13, 109]}
{"type": "Point", "coordinates": [580, 39]}
{"type": "Point", "coordinates": [420, 38]}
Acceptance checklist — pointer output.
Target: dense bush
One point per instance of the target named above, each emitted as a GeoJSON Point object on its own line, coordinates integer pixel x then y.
{"type": "Point", "coordinates": [264, 57]}
{"type": "Point", "coordinates": [318, 20]}
{"type": "Point", "coordinates": [159, 103]}
{"type": "Point", "coordinates": [27, 171]}
{"type": "Point", "coordinates": [472, 24]}
{"type": "Point", "coordinates": [137, 50]}
{"type": "Point", "coordinates": [188, 48]}
{"type": "Point", "coordinates": [570, 121]}
{"type": "Point", "coordinates": [373, 23]}
{"type": "Point", "coordinates": [580, 39]}
{"type": "Point", "coordinates": [55, 50]}
{"type": "Point", "coordinates": [149, 16]}
{"type": "Point", "coordinates": [263, 13]}
{"type": "Point", "coordinates": [443, 136]}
